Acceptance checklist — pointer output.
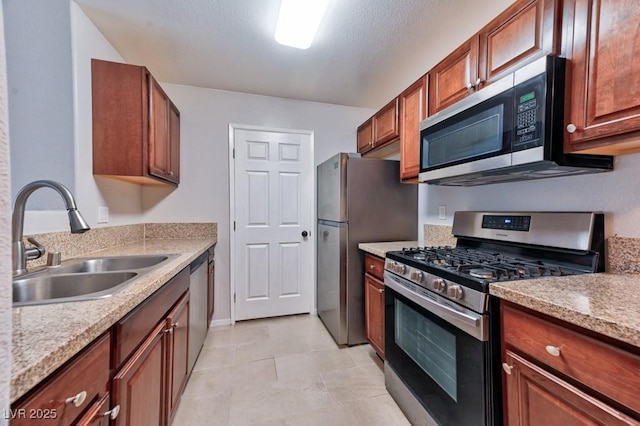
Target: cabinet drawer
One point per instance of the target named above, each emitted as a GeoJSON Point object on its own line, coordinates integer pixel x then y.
{"type": "Point", "coordinates": [374, 266]}
{"type": "Point", "coordinates": [88, 373]}
{"type": "Point", "coordinates": [606, 369]}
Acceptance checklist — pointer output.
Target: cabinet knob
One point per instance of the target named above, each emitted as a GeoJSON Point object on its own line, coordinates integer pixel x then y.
{"type": "Point", "coordinates": [571, 128]}
{"type": "Point", "coordinates": [171, 173]}
{"type": "Point", "coordinates": [553, 350]}
{"type": "Point", "coordinates": [77, 400]}
{"type": "Point", "coordinates": [372, 267]}
{"type": "Point", "coordinates": [380, 290]}
{"type": "Point", "coordinates": [113, 413]}
{"type": "Point", "coordinates": [507, 368]}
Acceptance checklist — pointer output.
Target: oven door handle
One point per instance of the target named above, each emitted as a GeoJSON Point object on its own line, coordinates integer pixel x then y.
{"type": "Point", "coordinates": [474, 324]}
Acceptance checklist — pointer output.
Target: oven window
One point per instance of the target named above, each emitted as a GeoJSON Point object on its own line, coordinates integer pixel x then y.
{"type": "Point", "coordinates": [430, 346]}
{"type": "Point", "coordinates": [474, 136]}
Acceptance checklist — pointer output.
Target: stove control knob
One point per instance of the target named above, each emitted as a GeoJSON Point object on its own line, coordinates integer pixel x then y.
{"type": "Point", "coordinates": [401, 268]}
{"type": "Point", "coordinates": [417, 276]}
{"type": "Point", "coordinates": [440, 285]}
{"type": "Point", "coordinates": [455, 292]}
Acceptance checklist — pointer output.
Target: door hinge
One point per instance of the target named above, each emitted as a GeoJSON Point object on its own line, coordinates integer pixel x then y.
{"type": "Point", "coordinates": [234, 153]}
{"type": "Point", "coordinates": [234, 298]}
{"type": "Point", "coordinates": [234, 225]}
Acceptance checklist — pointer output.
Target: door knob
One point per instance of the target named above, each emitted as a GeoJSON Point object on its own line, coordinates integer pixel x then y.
{"type": "Point", "coordinates": [305, 234]}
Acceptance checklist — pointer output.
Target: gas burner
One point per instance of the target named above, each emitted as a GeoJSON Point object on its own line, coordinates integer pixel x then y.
{"type": "Point", "coordinates": [481, 273]}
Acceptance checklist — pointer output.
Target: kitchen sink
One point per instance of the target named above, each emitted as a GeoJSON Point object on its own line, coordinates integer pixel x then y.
{"type": "Point", "coordinates": [49, 288]}
{"type": "Point", "coordinates": [120, 263]}
{"type": "Point", "coordinates": [83, 279]}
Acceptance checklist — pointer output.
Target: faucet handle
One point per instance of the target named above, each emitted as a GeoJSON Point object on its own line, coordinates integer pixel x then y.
{"type": "Point", "coordinates": [35, 252]}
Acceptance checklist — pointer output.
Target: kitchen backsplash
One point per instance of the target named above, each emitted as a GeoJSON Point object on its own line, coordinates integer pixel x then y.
{"type": "Point", "coordinates": [623, 255]}
{"type": "Point", "coordinates": [73, 245]}
{"type": "Point", "coordinates": [438, 235]}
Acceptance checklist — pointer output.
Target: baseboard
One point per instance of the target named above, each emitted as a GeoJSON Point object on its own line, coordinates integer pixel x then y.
{"type": "Point", "coordinates": [218, 323]}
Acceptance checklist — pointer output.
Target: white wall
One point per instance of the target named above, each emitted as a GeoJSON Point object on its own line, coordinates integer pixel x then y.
{"type": "Point", "coordinates": [123, 199]}
{"type": "Point", "coordinates": [38, 37]}
{"type": "Point", "coordinates": [203, 194]}
{"type": "Point", "coordinates": [5, 230]}
{"type": "Point", "coordinates": [614, 193]}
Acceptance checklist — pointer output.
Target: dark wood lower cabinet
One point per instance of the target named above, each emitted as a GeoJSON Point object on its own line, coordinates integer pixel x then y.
{"type": "Point", "coordinates": [374, 313]}
{"type": "Point", "coordinates": [139, 387]}
{"type": "Point", "coordinates": [211, 286]}
{"type": "Point", "coordinates": [534, 396]}
{"type": "Point", "coordinates": [177, 353]}
{"type": "Point", "coordinates": [99, 414]}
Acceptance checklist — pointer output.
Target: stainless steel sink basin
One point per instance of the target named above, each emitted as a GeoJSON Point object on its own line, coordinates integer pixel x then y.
{"type": "Point", "coordinates": [83, 279]}
{"type": "Point", "coordinates": [121, 263]}
{"type": "Point", "coordinates": [48, 288]}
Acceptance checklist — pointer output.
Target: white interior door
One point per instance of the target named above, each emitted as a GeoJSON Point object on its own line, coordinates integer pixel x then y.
{"type": "Point", "coordinates": [273, 195]}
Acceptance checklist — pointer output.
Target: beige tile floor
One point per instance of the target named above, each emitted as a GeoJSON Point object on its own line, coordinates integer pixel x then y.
{"type": "Point", "coordinates": [285, 371]}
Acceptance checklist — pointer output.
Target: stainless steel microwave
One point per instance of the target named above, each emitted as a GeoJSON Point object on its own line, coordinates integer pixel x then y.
{"type": "Point", "coordinates": [509, 131]}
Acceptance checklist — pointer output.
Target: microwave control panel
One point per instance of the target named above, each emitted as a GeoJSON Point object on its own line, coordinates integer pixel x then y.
{"type": "Point", "coordinates": [529, 97]}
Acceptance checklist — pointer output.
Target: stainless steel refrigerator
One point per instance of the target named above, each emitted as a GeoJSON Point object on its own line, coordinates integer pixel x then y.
{"type": "Point", "coordinates": [359, 200]}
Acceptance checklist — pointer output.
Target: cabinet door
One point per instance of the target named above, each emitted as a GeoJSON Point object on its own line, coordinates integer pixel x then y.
{"type": "Point", "coordinates": [605, 92]}
{"type": "Point", "coordinates": [159, 141]}
{"type": "Point", "coordinates": [174, 144]}
{"type": "Point", "coordinates": [536, 397]}
{"type": "Point", "coordinates": [374, 312]}
{"type": "Point", "coordinates": [365, 136]}
{"type": "Point", "coordinates": [385, 124]}
{"type": "Point", "coordinates": [454, 77]}
{"type": "Point", "coordinates": [524, 32]}
{"type": "Point", "coordinates": [211, 286]}
{"type": "Point", "coordinates": [139, 386]}
{"type": "Point", "coordinates": [177, 353]}
{"type": "Point", "coordinates": [99, 414]}
{"type": "Point", "coordinates": [413, 109]}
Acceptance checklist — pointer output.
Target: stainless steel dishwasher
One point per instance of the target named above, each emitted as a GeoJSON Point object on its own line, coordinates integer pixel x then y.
{"type": "Point", "coordinates": [198, 307]}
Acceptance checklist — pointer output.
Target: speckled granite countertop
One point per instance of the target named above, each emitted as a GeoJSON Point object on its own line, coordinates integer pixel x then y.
{"type": "Point", "coordinates": [381, 249]}
{"type": "Point", "coordinates": [606, 303]}
{"type": "Point", "coordinates": [46, 336]}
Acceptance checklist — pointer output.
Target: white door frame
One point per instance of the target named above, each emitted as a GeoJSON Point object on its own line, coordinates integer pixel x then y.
{"type": "Point", "coordinates": [232, 208]}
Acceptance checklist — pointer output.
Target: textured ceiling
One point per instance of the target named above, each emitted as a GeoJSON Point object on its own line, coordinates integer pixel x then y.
{"type": "Point", "coordinates": [365, 53]}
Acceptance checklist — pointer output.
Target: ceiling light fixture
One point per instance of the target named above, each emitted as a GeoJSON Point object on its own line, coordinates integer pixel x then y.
{"type": "Point", "coordinates": [298, 22]}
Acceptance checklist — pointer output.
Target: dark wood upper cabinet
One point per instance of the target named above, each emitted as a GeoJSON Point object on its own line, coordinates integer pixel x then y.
{"type": "Point", "coordinates": [365, 136]}
{"type": "Point", "coordinates": [413, 109]}
{"type": "Point", "coordinates": [455, 77]}
{"type": "Point", "coordinates": [604, 47]}
{"type": "Point", "coordinates": [524, 32]}
{"type": "Point", "coordinates": [385, 124]}
{"type": "Point", "coordinates": [136, 128]}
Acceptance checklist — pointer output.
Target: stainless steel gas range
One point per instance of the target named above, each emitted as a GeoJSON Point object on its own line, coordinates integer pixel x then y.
{"type": "Point", "coordinates": [442, 331]}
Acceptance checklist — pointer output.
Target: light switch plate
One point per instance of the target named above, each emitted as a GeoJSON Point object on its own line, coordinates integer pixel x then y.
{"type": "Point", "coordinates": [103, 214]}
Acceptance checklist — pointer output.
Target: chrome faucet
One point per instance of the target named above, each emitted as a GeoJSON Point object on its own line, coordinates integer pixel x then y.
{"type": "Point", "coordinates": [20, 254]}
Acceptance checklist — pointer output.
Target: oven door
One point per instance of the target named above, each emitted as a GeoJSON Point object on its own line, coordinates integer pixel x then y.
{"type": "Point", "coordinates": [439, 351]}
{"type": "Point", "coordinates": [475, 135]}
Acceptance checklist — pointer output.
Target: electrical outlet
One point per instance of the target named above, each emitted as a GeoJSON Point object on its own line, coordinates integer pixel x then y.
{"type": "Point", "coordinates": [103, 214]}
{"type": "Point", "coordinates": [442, 212]}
